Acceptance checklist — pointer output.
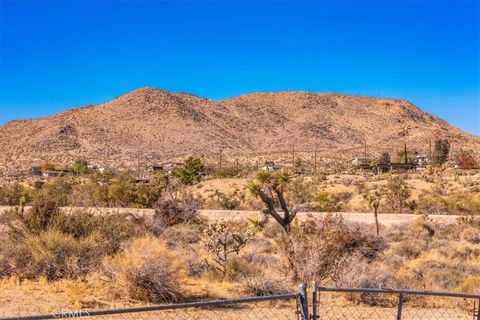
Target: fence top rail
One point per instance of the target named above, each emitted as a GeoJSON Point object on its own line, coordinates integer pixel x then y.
{"type": "Point", "coordinates": [400, 291]}
{"type": "Point", "coordinates": [198, 304]}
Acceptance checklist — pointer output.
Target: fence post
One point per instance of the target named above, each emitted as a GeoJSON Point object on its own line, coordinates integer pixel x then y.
{"type": "Point", "coordinates": [478, 310]}
{"type": "Point", "coordinates": [303, 301]}
{"type": "Point", "coordinates": [400, 306]}
{"type": "Point", "coordinates": [314, 300]}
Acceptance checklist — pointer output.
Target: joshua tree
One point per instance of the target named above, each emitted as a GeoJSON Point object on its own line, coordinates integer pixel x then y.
{"type": "Point", "coordinates": [270, 188]}
{"type": "Point", "coordinates": [221, 243]}
{"type": "Point", "coordinates": [373, 200]}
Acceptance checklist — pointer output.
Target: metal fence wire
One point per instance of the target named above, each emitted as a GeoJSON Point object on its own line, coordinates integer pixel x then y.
{"type": "Point", "coordinates": [325, 303]}
{"type": "Point", "coordinates": [391, 304]}
{"type": "Point", "coordinates": [279, 307]}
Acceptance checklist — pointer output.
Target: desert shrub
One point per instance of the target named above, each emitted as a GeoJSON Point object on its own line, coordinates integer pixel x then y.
{"type": "Point", "coordinates": [40, 217]}
{"type": "Point", "coordinates": [230, 172]}
{"type": "Point", "coordinates": [146, 270]}
{"type": "Point", "coordinates": [9, 256]}
{"type": "Point", "coordinates": [300, 190]}
{"type": "Point", "coordinates": [191, 171]}
{"type": "Point", "coordinates": [384, 158]}
{"type": "Point", "coordinates": [238, 267]}
{"type": "Point", "coordinates": [272, 230]}
{"type": "Point", "coordinates": [470, 285]}
{"type": "Point", "coordinates": [363, 274]}
{"type": "Point", "coordinates": [172, 209]}
{"type": "Point", "coordinates": [319, 250]}
{"type": "Point", "coordinates": [397, 193]}
{"type": "Point", "coordinates": [195, 265]}
{"type": "Point", "coordinates": [14, 194]}
{"type": "Point", "coordinates": [183, 234]}
{"type": "Point", "coordinates": [260, 245]}
{"type": "Point", "coordinates": [59, 190]}
{"type": "Point", "coordinates": [454, 203]}
{"type": "Point", "coordinates": [471, 234]}
{"type": "Point", "coordinates": [110, 230]}
{"type": "Point", "coordinates": [326, 202]}
{"type": "Point", "coordinates": [227, 201]}
{"type": "Point", "coordinates": [55, 255]}
{"type": "Point", "coordinates": [55, 244]}
{"type": "Point", "coordinates": [257, 222]}
{"type": "Point", "coordinates": [262, 284]}
{"type": "Point", "coordinates": [432, 204]}
{"type": "Point", "coordinates": [443, 267]}
{"type": "Point", "coordinates": [45, 215]}
{"type": "Point", "coordinates": [408, 249]}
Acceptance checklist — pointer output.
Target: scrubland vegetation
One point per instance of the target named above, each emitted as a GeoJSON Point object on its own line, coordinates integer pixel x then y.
{"type": "Point", "coordinates": [175, 254]}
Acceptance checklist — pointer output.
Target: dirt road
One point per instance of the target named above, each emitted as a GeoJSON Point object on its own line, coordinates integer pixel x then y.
{"type": "Point", "coordinates": [387, 219]}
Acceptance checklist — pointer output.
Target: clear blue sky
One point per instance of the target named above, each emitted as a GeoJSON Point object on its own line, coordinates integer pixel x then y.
{"type": "Point", "coordinates": [57, 55]}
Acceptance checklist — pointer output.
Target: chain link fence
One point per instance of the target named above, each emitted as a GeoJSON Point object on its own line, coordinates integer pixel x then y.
{"type": "Point", "coordinates": [279, 307]}
{"type": "Point", "coordinates": [386, 304]}
{"type": "Point", "coordinates": [326, 303]}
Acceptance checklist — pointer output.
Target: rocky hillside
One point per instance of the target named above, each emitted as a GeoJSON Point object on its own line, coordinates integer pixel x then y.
{"type": "Point", "coordinates": [150, 125]}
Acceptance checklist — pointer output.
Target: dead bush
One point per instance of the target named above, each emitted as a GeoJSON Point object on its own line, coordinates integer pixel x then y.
{"type": "Point", "coordinates": [145, 270]}
{"type": "Point", "coordinates": [397, 193]}
{"type": "Point", "coordinates": [319, 250]}
{"type": "Point", "coordinates": [173, 209]}
{"type": "Point", "coordinates": [363, 274]}
{"type": "Point", "coordinates": [261, 284]}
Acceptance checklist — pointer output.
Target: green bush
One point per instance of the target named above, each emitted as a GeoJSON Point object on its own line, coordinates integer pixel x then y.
{"type": "Point", "coordinates": [191, 171]}
{"type": "Point", "coordinates": [326, 202]}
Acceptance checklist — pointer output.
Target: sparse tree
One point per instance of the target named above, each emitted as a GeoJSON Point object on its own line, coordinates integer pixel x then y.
{"type": "Point", "coordinates": [270, 188]}
{"type": "Point", "coordinates": [384, 158]}
{"type": "Point", "coordinates": [465, 160]}
{"type": "Point", "coordinates": [191, 171]}
{"type": "Point", "coordinates": [441, 151]}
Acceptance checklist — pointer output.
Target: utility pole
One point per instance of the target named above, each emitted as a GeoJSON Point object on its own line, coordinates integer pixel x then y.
{"type": "Point", "coordinates": [315, 162]}
{"type": "Point", "coordinates": [365, 150]}
{"type": "Point", "coordinates": [220, 160]}
{"type": "Point", "coordinates": [405, 144]}
{"type": "Point", "coordinates": [293, 155]}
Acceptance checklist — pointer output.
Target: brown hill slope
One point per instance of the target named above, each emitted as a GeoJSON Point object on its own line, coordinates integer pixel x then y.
{"type": "Point", "coordinates": [152, 125]}
{"type": "Point", "coordinates": [331, 121]}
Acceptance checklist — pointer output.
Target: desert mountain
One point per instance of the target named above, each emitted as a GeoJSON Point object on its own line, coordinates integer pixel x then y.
{"type": "Point", "coordinates": [152, 125]}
